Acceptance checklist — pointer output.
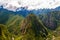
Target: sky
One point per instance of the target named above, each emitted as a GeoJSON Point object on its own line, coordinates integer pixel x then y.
{"type": "Point", "coordinates": [29, 4]}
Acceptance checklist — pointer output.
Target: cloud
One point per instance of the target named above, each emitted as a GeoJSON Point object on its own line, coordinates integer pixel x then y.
{"type": "Point", "coordinates": [29, 4]}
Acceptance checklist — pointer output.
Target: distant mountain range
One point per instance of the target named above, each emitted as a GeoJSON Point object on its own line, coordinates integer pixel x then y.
{"type": "Point", "coordinates": [24, 11]}
{"type": "Point", "coordinates": [48, 16]}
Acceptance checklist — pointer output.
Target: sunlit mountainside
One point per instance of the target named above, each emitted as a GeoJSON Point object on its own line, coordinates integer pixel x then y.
{"type": "Point", "coordinates": [24, 24]}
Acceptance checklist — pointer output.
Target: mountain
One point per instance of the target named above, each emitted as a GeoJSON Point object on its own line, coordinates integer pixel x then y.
{"type": "Point", "coordinates": [24, 24]}
{"type": "Point", "coordinates": [51, 19]}
{"type": "Point", "coordinates": [32, 26]}
{"type": "Point", "coordinates": [13, 24]}
{"type": "Point", "coordinates": [5, 14]}
{"type": "Point", "coordinates": [57, 8]}
{"type": "Point", "coordinates": [40, 11]}
{"type": "Point", "coordinates": [24, 11]}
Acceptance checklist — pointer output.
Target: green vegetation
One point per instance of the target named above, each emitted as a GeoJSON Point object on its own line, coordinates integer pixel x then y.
{"type": "Point", "coordinates": [32, 27]}
{"type": "Point", "coordinates": [4, 33]}
{"type": "Point", "coordinates": [13, 24]}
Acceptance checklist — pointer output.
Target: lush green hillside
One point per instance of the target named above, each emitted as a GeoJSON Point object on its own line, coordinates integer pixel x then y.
{"type": "Point", "coordinates": [32, 27]}
{"type": "Point", "coordinates": [4, 33]}
{"type": "Point", "coordinates": [13, 23]}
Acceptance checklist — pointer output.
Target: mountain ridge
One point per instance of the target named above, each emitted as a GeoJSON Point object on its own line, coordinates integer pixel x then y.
{"type": "Point", "coordinates": [24, 11]}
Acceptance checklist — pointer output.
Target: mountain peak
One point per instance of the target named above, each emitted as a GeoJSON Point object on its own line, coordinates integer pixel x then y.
{"type": "Point", "coordinates": [32, 23]}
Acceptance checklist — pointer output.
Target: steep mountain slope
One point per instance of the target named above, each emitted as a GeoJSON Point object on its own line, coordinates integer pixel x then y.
{"type": "Point", "coordinates": [51, 19]}
{"type": "Point", "coordinates": [32, 26]}
{"type": "Point", "coordinates": [13, 23]}
{"type": "Point", "coordinates": [4, 15]}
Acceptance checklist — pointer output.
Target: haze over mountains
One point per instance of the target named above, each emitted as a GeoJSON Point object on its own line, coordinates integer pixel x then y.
{"type": "Point", "coordinates": [33, 6]}
{"type": "Point", "coordinates": [42, 13]}
{"type": "Point", "coordinates": [30, 5]}
{"type": "Point", "coordinates": [24, 11]}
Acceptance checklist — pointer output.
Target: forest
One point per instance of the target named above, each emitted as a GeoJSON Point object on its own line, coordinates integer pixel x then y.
{"type": "Point", "coordinates": [45, 26]}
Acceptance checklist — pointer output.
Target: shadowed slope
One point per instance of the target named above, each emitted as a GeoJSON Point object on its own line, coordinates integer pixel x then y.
{"type": "Point", "coordinates": [33, 26]}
